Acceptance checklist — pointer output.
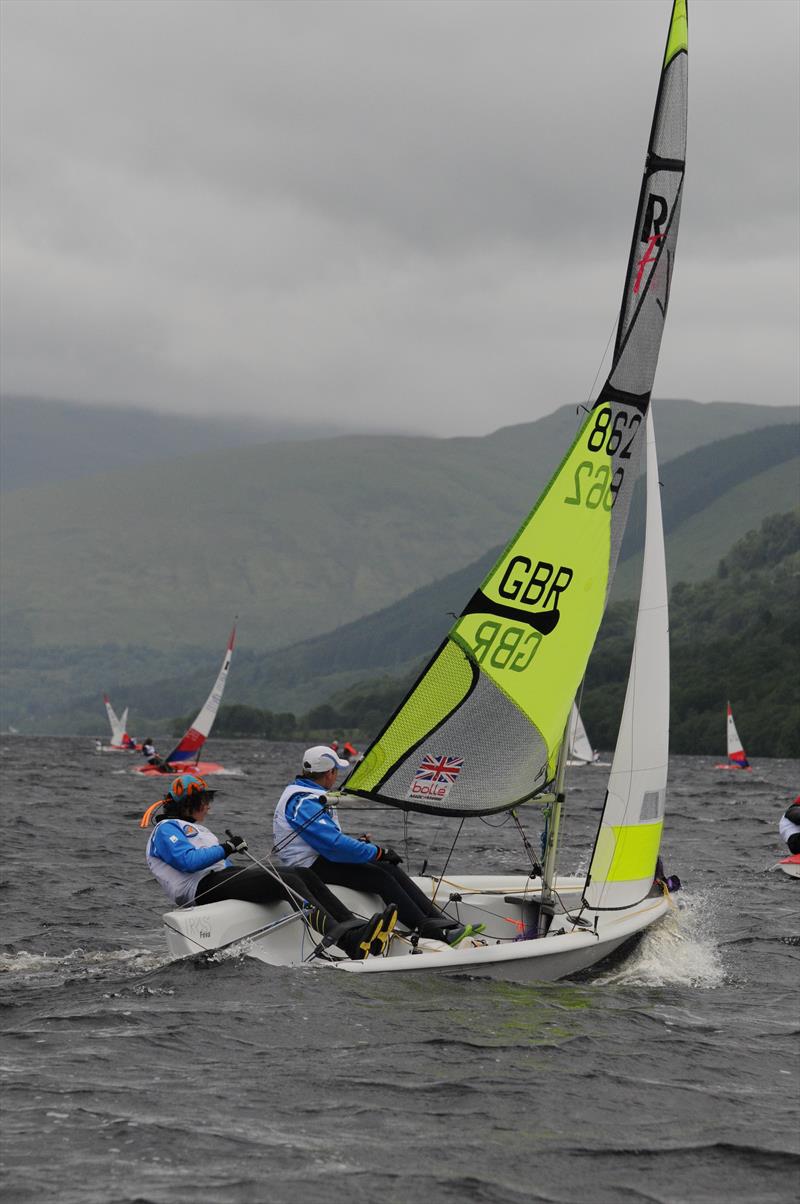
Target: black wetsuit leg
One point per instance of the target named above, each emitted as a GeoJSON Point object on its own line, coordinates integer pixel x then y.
{"type": "Point", "coordinates": [254, 885]}
{"type": "Point", "coordinates": [308, 884]}
{"type": "Point", "coordinates": [794, 842]}
{"type": "Point", "coordinates": [388, 881]}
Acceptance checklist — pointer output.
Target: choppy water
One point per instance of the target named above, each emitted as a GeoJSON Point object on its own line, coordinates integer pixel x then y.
{"type": "Point", "coordinates": [669, 1078]}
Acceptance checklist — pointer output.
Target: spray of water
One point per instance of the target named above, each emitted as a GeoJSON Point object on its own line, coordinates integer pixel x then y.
{"type": "Point", "coordinates": [83, 962]}
{"type": "Point", "coordinates": [681, 950]}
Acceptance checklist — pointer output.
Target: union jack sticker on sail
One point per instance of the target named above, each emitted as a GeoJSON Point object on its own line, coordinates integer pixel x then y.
{"type": "Point", "coordinates": [435, 777]}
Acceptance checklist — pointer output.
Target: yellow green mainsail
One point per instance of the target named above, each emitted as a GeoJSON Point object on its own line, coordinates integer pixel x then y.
{"type": "Point", "coordinates": [481, 728]}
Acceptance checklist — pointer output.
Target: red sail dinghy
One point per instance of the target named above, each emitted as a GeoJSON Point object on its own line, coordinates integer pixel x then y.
{"type": "Point", "coordinates": [186, 754]}
{"type": "Point", "coordinates": [737, 758]}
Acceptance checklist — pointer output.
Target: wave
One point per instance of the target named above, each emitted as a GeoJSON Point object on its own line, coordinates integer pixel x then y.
{"type": "Point", "coordinates": [85, 962]}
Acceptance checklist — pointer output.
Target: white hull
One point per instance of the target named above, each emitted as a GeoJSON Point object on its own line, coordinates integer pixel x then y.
{"type": "Point", "coordinates": [792, 868]}
{"type": "Point", "coordinates": [277, 936]}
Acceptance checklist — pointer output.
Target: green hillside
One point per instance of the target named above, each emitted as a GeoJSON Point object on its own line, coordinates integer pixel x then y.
{"type": "Point", "coordinates": [694, 545]}
{"type": "Point", "coordinates": [57, 687]}
{"type": "Point", "coordinates": [735, 636]}
{"type": "Point", "coordinates": [295, 537]}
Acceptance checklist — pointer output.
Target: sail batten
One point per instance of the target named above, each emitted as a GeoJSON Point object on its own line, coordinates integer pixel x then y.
{"type": "Point", "coordinates": [482, 726]}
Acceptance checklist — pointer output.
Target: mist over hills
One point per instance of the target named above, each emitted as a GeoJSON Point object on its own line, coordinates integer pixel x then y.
{"type": "Point", "coordinates": [298, 538]}
{"type": "Point", "coordinates": [45, 441]}
{"type": "Point", "coordinates": [393, 639]}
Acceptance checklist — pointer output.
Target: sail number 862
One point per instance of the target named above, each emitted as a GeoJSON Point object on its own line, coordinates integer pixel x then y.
{"type": "Point", "coordinates": [609, 434]}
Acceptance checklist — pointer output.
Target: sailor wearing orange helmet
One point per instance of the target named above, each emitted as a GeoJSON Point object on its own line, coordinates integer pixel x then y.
{"type": "Point", "coordinates": [192, 866]}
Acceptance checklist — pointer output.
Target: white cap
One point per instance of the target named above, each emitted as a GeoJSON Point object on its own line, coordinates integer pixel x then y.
{"type": "Point", "coordinates": [321, 758]}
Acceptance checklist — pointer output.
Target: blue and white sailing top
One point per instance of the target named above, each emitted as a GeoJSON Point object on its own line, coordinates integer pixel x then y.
{"type": "Point", "coordinates": [306, 826]}
{"type": "Point", "coordinates": [180, 853]}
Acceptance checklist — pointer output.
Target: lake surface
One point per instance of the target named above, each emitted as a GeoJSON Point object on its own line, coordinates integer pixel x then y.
{"type": "Point", "coordinates": [669, 1078]}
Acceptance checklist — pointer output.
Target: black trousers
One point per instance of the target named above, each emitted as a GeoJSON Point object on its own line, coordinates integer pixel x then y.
{"type": "Point", "coordinates": [390, 882]}
{"type": "Point", "coordinates": [794, 842]}
{"type": "Point", "coordinates": [254, 885]}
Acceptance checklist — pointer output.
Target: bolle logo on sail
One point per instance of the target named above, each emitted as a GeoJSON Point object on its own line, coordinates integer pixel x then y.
{"type": "Point", "coordinates": [435, 777]}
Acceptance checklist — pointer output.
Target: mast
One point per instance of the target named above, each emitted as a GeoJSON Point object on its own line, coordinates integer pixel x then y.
{"type": "Point", "coordinates": [552, 829]}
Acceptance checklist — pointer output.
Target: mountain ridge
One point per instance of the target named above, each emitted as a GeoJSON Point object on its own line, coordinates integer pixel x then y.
{"type": "Point", "coordinates": [296, 537]}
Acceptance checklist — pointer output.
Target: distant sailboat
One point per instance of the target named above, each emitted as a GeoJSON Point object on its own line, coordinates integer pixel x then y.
{"type": "Point", "coordinates": [737, 758]}
{"type": "Point", "coordinates": [120, 740]}
{"type": "Point", "coordinates": [580, 749]}
{"type": "Point", "coordinates": [185, 756]}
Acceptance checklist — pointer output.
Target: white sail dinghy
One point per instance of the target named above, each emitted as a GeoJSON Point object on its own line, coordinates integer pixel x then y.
{"type": "Point", "coordinates": [485, 728]}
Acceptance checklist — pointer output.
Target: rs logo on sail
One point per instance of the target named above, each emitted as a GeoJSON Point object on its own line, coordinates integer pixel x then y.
{"type": "Point", "coordinates": [655, 215]}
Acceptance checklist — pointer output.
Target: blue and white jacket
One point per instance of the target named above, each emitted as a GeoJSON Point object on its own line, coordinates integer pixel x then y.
{"type": "Point", "coordinates": [306, 827]}
{"type": "Point", "coordinates": [180, 853]}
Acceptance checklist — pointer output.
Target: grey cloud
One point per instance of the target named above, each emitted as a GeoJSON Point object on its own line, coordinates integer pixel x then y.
{"type": "Point", "coordinates": [403, 214]}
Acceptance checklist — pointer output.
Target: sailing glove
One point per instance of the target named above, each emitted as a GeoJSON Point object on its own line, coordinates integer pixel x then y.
{"type": "Point", "coordinates": [388, 855]}
{"type": "Point", "coordinates": [234, 844]}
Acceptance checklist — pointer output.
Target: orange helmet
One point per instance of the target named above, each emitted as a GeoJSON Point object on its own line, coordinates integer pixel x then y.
{"type": "Point", "coordinates": [188, 784]}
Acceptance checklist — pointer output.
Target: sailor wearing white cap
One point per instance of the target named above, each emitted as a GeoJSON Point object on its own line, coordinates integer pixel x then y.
{"type": "Point", "coordinates": [306, 832]}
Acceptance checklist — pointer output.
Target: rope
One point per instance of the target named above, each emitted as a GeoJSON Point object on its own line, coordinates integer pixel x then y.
{"type": "Point", "coordinates": [535, 865]}
{"type": "Point", "coordinates": [447, 862]}
{"type": "Point", "coordinates": [600, 365]}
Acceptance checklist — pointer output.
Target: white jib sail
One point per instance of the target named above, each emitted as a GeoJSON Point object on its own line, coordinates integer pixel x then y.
{"type": "Point", "coordinates": [580, 749]}
{"type": "Point", "coordinates": [626, 850]}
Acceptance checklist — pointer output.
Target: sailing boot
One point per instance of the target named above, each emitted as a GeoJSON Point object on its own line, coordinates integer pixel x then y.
{"type": "Point", "coordinates": [379, 946]}
{"type": "Point", "coordinates": [457, 935]}
{"type": "Point", "coordinates": [345, 934]}
{"type": "Point", "coordinates": [360, 941]}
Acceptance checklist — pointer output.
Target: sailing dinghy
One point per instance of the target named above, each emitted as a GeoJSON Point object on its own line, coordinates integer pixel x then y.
{"type": "Point", "coordinates": [580, 751]}
{"type": "Point", "coordinates": [120, 740]}
{"type": "Point", "coordinates": [789, 865]}
{"type": "Point", "coordinates": [186, 753]}
{"type": "Point", "coordinates": [737, 758]}
{"type": "Point", "coordinates": [485, 727]}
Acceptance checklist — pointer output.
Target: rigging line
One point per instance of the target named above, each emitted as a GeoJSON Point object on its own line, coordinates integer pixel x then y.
{"type": "Point", "coordinates": [503, 822]}
{"type": "Point", "coordinates": [433, 843]}
{"type": "Point", "coordinates": [602, 361]}
{"type": "Point", "coordinates": [535, 864]}
{"type": "Point", "coordinates": [447, 862]}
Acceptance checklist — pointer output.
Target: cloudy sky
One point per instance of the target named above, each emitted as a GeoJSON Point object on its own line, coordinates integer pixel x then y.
{"type": "Point", "coordinates": [398, 214]}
